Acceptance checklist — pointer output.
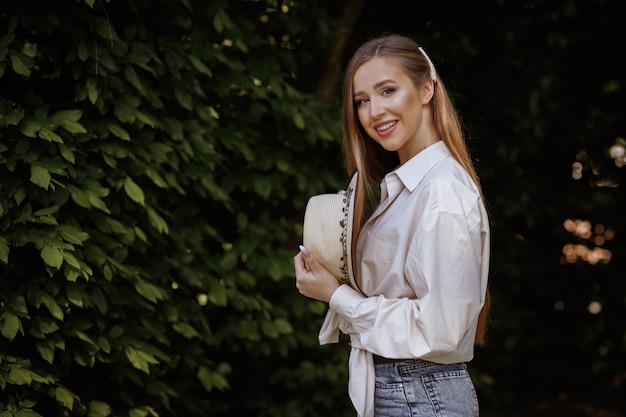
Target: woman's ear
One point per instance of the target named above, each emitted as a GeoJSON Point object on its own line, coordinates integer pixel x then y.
{"type": "Point", "coordinates": [428, 90]}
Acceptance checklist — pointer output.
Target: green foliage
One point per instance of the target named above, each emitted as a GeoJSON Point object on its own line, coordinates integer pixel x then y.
{"type": "Point", "coordinates": [153, 162]}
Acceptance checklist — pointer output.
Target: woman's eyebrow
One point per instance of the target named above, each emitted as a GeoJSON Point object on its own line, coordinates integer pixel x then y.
{"type": "Point", "coordinates": [377, 85]}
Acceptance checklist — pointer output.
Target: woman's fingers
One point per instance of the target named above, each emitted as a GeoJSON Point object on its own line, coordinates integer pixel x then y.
{"type": "Point", "coordinates": [312, 279]}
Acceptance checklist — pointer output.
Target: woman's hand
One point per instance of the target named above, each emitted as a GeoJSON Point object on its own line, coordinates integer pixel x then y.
{"type": "Point", "coordinates": [312, 279]}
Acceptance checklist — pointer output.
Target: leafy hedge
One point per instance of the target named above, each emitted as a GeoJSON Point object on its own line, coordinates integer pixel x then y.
{"type": "Point", "coordinates": [153, 169]}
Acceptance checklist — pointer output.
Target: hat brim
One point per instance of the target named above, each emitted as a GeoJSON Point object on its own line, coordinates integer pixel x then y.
{"type": "Point", "coordinates": [349, 230]}
{"type": "Point", "coordinates": [328, 231]}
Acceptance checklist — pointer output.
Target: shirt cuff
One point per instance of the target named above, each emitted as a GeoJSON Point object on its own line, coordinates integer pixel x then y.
{"type": "Point", "coordinates": [344, 300]}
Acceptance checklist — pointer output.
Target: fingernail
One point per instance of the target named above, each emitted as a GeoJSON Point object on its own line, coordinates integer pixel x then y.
{"type": "Point", "coordinates": [304, 250]}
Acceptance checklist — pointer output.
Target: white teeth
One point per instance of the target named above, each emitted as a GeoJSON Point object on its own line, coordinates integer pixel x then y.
{"type": "Point", "coordinates": [385, 126]}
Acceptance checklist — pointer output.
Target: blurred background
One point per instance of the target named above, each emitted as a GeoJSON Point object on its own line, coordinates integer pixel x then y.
{"type": "Point", "coordinates": [156, 158]}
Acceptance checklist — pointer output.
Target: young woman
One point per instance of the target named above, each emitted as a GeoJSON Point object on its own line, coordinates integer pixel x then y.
{"type": "Point", "coordinates": [422, 251]}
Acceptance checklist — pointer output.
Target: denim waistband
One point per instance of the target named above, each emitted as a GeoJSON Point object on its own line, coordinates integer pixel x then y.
{"type": "Point", "coordinates": [420, 363]}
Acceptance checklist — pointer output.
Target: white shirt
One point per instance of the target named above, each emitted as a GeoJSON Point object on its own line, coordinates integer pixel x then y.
{"type": "Point", "coordinates": [422, 258]}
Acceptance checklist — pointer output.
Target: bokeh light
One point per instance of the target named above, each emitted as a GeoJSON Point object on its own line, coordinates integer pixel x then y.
{"type": "Point", "coordinates": [591, 239]}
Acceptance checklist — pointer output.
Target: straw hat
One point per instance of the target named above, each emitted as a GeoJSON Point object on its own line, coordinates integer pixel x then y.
{"type": "Point", "coordinates": [327, 233]}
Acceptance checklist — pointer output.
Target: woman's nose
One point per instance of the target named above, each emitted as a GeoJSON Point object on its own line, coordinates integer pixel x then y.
{"type": "Point", "coordinates": [376, 108]}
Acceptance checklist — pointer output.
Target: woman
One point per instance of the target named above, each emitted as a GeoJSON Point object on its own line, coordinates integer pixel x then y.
{"type": "Point", "coordinates": [421, 254]}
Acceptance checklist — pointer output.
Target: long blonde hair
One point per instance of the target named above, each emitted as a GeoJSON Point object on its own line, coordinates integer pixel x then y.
{"type": "Point", "coordinates": [372, 162]}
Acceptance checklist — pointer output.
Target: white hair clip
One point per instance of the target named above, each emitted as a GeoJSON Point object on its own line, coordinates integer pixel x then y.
{"type": "Point", "coordinates": [433, 73]}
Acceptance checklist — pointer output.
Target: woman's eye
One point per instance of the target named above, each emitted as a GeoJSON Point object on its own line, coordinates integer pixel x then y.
{"type": "Point", "coordinates": [388, 91]}
{"type": "Point", "coordinates": [361, 101]}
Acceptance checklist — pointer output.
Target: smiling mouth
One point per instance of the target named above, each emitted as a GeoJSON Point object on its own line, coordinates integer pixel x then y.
{"type": "Point", "coordinates": [385, 126]}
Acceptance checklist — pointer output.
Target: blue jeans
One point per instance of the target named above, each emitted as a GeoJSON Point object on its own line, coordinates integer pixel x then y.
{"type": "Point", "coordinates": [417, 388]}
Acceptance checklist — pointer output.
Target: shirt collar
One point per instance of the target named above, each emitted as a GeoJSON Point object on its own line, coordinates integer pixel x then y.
{"type": "Point", "coordinates": [413, 171]}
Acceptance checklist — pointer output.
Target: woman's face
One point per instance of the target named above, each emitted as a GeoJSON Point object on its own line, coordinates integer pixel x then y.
{"type": "Point", "coordinates": [391, 109]}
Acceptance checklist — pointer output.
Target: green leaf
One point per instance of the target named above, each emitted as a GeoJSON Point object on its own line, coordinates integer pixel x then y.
{"type": "Point", "coordinates": [52, 306]}
{"type": "Point", "coordinates": [79, 196]}
{"type": "Point", "coordinates": [140, 234]}
{"type": "Point", "coordinates": [52, 256]}
{"type": "Point", "coordinates": [146, 118]}
{"type": "Point", "coordinates": [140, 359]}
{"type": "Point", "coordinates": [59, 117]}
{"type": "Point", "coordinates": [174, 61]}
{"type": "Point", "coordinates": [263, 186]}
{"type": "Point", "coordinates": [283, 326]}
{"type": "Point", "coordinates": [94, 254]}
{"type": "Point", "coordinates": [71, 274]}
{"type": "Point", "coordinates": [92, 89]}
{"type": "Point", "coordinates": [72, 234]}
{"type": "Point", "coordinates": [4, 250]}
{"type": "Point", "coordinates": [25, 412]}
{"type": "Point", "coordinates": [99, 300]}
{"type": "Point", "coordinates": [149, 291]}
{"type": "Point", "coordinates": [19, 195]}
{"type": "Point", "coordinates": [217, 23]}
{"type": "Point", "coordinates": [69, 120]}
{"type": "Point", "coordinates": [199, 65]}
{"type": "Point", "coordinates": [31, 126]}
{"type": "Point", "coordinates": [269, 329]}
{"type": "Point", "coordinates": [67, 153]}
{"type": "Point", "coordinates": [20, 376]}
{"type": "Point", "coordinates": [6, 39]}
{"type": "Point", "coordinates": [134, 191]}
{"type": "Point", "coordinates": [64, 397]}
{"type": "Point", "coordinates": [156, 178]}
{"type": "Point", "coordinates": [11, 324]}
{"type": "Point", "coordinates": [75, 294]}
{"type": "Point", "coordinates": [47, 326]}
{"type": "Point", "coordinates": [118, 131]}
{"type": "Point", "coordinates": [186, 330]}
{"type": "Point", "coordinates": [218, 294]}
{"type": "Point", "coordinates": [85, 338]}
{"type": "Point", "coordinates": [49, 135]}
{"type": "Point", "coordinates": [184, 98]}
{"type": "Point", "coordinates": [224, 18]}
{"type": "Point", "coordinates": [12, 118]}
{"type": "Point", "coordinates": [47, 211]}
{"type": "Point", "coordinates": [275, 270]}
{"type": "Point", "coordinates": [97, 202]}
{"type": "Point", "coordinates": [18, 306]}
{"type": "Point", "coordinates": [140, 412]}
{"type": "Point", "coordinates": [40, 176]}
{"type": "Point", "coordinates": [125, 109]}
{"type": "Point", "coordinates": [211, 380]}
{"type": "Point", "coordinates": [229, 260]}
{"type": "Point", "coordinates": [104, 344]}
{"type": "Point", "coordinates": [83, 50]}
{"type": "Point", "coordinates": [99, 409]}
{"type": "Point", "coordinates": [115, 226]}
{"type": "Point", "coordinates": [21, 63]}
{"type": "Point", "coordinates": [298, 120]}
{"type": "Point", "coordinates": [73, 127]}
{"type": "Point", "coordinates": [133, 78]}
{"type": "Point", "coordinates": [241, 45]}
{"type": "Point", "coordinates": [71, 259]}
{"type": "Point", "coordinates": [45, 348]}
{"type": "Point", "coordinates": [157, 221]}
